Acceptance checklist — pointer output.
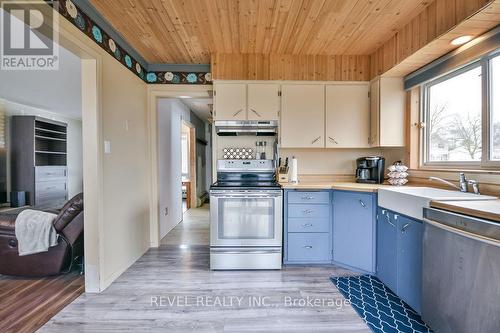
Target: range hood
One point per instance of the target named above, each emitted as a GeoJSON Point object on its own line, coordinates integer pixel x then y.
{"type": "Point", "coordinates": [246, 127]}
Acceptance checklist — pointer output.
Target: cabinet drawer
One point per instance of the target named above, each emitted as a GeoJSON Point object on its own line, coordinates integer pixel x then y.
{"type": "Point", "coordinates": [50, 173]}
{"type": "Point", "coordinates": [50, 188]}
{"type": "Point", "coordinates": [298, 224]}
{"type": "Point", "coordinates": [309, 247]}
{"type": "Point", "coordinates": [309, 197]}
{"type": "Point", "coordinates": [308, 211]}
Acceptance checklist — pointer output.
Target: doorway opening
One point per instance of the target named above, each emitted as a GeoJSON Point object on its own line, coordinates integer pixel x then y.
{"type": "Point", "coordinates": [188, 166]}
{"type": "Point", "coordinates": [184, 169]}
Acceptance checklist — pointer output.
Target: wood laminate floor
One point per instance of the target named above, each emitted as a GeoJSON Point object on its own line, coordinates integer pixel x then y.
{"type": "Point", "coordinates": [171, 289]}
{"type": "Point", "coordinates": [28, 303]}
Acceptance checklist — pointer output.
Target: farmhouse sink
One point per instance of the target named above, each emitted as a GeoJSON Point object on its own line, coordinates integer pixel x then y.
{"type": "Point", "coordinates": [410, 200]}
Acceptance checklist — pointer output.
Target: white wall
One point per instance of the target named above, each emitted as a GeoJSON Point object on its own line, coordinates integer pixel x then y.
{"type": "Point", "coordinates": [74, 141]}
{"type": "Point", "coordinates": [120, 205]}
{"type": "Point", "coordinates": [125, 229]}
{"type": "Point", "coordinates": [59, 91]}
{"type": "Point", "coordinates": [170, 113]}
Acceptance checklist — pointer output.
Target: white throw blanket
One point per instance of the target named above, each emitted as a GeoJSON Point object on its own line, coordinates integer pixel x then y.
{"type": "Point", "coordinates": [35, 232]}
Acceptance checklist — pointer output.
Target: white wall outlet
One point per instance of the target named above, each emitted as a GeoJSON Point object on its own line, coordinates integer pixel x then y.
{"type": "Point", "coordinates": [107, 147]}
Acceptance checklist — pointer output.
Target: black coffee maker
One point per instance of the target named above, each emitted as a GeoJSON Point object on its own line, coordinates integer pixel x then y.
{"type": "Point", "coordinates": [370, 169]}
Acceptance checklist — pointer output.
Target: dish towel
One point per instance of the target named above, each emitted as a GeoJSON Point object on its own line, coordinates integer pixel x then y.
{"type": "Point", "coordinates": [35, 232]}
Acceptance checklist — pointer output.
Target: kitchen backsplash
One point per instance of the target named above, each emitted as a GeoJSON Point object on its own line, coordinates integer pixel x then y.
{"type": "Point", "coordinates": [337, 161]}
{"type": "Point", "coordinates": [243, 142]}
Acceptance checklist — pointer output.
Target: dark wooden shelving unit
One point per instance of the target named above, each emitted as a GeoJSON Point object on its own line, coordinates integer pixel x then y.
{"type": "Point", "coordinates": [39, 160]}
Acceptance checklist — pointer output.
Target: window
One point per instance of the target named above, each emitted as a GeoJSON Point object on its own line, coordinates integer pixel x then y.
{"type": "Point", "coordinates": [462, 116]}
{"type": "Point", "coordinates": [495, 108]}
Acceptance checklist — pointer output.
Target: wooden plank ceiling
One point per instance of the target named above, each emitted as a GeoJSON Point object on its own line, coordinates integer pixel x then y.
{"type": "Point", "coordinates": [189, 31]}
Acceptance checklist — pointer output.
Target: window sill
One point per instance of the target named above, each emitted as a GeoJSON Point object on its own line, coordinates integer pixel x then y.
{"type": "Point", "coordinates": [492, 170]}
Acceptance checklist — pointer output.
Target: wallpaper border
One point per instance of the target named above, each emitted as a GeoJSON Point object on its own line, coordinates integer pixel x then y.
{"type": "Point", "coordinates": [71, 12]}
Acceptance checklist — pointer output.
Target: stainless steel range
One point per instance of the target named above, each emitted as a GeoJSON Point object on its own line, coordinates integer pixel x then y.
{"type": "Point", "coordinates": [245, 216]}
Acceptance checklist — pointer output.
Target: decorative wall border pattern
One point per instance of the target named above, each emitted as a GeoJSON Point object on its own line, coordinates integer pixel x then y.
{"type": "Point", "coordinates": [82, 21]}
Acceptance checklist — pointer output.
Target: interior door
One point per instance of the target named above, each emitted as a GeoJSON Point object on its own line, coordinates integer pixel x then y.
{"type": "Point", "coordinates": [347, 115]}
{"type": "Point", "coordinates": [303, 116]}
{"type": "Point", "coordinates": [264, 101]}
{"type": "Point", "coordinates": [230, 101]}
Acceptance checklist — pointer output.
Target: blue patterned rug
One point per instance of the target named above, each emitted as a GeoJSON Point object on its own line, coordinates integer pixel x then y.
{"type": "Point", "coordinates": [380, 308]}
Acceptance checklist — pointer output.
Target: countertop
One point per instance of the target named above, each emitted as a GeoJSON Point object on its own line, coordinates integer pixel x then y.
{"type": "Point", "coordinates": [486, 209]}
{"type": "Point", "coordinates": [348, 186]}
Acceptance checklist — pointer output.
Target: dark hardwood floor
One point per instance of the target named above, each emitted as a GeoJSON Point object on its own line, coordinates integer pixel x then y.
{"type": "Point", "coordinates": [28, 303]}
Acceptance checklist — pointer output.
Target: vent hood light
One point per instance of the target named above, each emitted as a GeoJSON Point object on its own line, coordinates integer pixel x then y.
{"type": "Point", "coordinates": [461, 40]}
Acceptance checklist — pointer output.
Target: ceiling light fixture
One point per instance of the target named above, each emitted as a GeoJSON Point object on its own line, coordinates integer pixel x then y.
{"type": "Point", "coordinates": [461, 40]}
{"type": "Point", "coordinates": [182, 96]}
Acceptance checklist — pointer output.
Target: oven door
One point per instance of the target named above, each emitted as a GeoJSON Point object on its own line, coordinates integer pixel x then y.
{"type": "Point", "coordinates": [246, 218]}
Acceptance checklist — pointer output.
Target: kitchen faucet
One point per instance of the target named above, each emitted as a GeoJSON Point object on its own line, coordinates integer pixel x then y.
{"type": "Point", "coordinates": [462, 181]}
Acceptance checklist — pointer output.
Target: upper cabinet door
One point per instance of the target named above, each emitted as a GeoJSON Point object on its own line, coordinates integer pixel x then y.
{"type": "Point", "coordinates": [263, 101]}
{"type": "Point", "coordinates": [347, 115]}
{"type": "Point", "coordinates": [303, 116]}
{"type": "Point", "coordinates": [387, 104]}
{"type": "Point", "coordinates": [230, 101]}
{"type": "Point", "coordinates": [392, 112]}
{"type": "Point", "coordinates": [374, 113]}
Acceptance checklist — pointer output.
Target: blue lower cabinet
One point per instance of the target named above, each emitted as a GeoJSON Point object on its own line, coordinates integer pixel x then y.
{"type": "Point", "coordinates": [386, 249]}
{"type": "Point", "coordinates": [308, 227]}
{"type": "Point", "coordinates": [410, 261]}
{"type": "Point", "coordinates": [309, 197]}
{"type": "Point", "coordinates": [309, 247]}
{"type": "Point", "coordinates": [309, 210]}
{"type": "Point", "coordinates": [354, 230]}
{"type": "Point", "coordinates": [399, 255]}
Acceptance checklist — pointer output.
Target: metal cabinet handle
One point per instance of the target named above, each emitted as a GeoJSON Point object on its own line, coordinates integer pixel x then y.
{"type": "Point", "coordinates": [362, 203]}
{"type": "Point", "coordinates": [258, 114]}
{"type": "Point", "coordinates": [308, 247]}
{"type": "Point", "coordinates": [316, 140]}
{"type": "Point", "coordinates": [406, 226]}
{"type": "Point", "coordinates": [307, 211]}
{"type": "Point", "coordinates": [333, 140]}
{"type": "Point", "coordinates": [307, 198]}
{"type": "Point", "coordinates": [237, 112]}
{"type": "Point", "coordinates": [307, 225]}
{"type": "Point", "coordinates": [389, 220]}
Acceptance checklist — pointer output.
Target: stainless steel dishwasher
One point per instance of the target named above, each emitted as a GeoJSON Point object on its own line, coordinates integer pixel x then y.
{"type": "Point", "coordinates": [461, 273]}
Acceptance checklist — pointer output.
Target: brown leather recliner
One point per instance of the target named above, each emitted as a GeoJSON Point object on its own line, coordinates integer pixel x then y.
{"type": "Point", "coordinates": [69, 226]}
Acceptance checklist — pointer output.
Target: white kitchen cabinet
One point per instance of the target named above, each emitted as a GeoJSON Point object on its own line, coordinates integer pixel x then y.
{"type": "Point", "coordinates": [387, 112]}
{"type": "Point", "coordinates": [230, 101]}
{"type": "Point", "coordinates": [348, 115]}
{"type": "Point", "coordinates": [303, 116]}
{"type": "Point", "coordinates": [263, 101]}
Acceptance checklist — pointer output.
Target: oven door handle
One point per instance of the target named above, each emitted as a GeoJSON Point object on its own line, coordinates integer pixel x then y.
{"type": "Point", "coordinates": [245, 196]}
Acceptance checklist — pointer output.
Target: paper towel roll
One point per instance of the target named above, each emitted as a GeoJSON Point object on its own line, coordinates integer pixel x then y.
{"type": "Point", "coordinates": [294, 171]}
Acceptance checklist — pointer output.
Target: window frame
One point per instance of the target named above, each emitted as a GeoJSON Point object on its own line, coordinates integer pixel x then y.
{"type": "Point", "coordinates": [486, 96]}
